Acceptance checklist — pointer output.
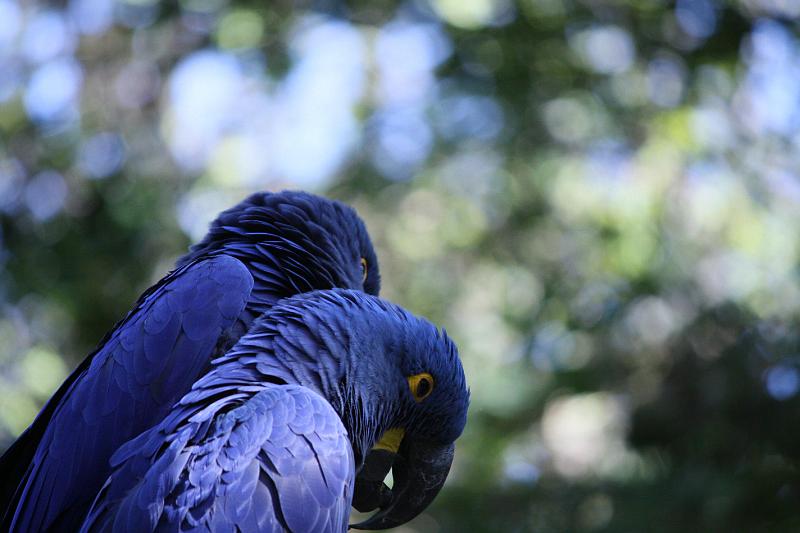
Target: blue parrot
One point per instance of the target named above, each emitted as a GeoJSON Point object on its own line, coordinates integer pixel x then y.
{"type": "Point", "coordinates": [268, 247]}
{"type": "Point", "coordinates": [271, 438]}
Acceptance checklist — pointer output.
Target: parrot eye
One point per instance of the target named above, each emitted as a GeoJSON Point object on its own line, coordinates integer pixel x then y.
{"type": "Point", "coordinates": [363, 270]}
{"type": "Point", "coordinates": [421, 386]}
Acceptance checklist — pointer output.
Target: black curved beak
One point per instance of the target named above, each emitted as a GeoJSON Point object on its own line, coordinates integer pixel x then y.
{"type": "Point", "coordinates": [370, 492]}
{"type": "Point", "coordinates": [420, 469]}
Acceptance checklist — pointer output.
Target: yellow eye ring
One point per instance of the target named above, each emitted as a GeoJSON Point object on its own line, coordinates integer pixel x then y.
{"type": "Point", "coordinates": [421, 386]}
{"type": "Point", "coordinates": [363, 270]}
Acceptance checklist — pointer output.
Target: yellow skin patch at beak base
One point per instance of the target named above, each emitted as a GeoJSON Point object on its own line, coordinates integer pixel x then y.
{"type": "Point", "coordinates": [391, 440]}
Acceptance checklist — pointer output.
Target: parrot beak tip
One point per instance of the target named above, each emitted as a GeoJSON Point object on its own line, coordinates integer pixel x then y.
{"type": "Point", "coordinates": [420, 470]}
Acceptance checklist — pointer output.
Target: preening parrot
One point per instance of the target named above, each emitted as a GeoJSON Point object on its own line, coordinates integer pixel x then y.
{"type": "Point", "coordinates": [268, 247]}
{"type": "Point", "coordinates": [271, 438]}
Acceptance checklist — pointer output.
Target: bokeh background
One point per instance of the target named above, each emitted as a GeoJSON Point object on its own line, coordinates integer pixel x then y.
{"type": "Point", "coordinates": [599, 199]}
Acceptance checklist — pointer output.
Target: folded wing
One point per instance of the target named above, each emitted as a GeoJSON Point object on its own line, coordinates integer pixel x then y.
{"type": "Point", "coordinates": [147, 362]}
{"type": "Point", "coordinates": [275, 460]}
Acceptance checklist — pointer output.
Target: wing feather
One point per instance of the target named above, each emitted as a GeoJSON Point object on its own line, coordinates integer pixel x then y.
{"type": "Point", "coordinates": [276, 462]}
{"type": "Point", "coordinates": [147, 363]}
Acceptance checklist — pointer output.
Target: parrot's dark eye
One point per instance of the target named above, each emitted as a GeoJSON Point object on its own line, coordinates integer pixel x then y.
{"type": "Point", "coordinates": [363, 270]}
{"type": "Point", "coordinates": [421, 386]}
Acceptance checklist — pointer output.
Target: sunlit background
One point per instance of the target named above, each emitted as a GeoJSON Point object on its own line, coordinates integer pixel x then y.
{"type": "Point", "coordinates": [599, 199]}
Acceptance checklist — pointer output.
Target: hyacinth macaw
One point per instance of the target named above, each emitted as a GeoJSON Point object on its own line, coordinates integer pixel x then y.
{"type": "Point", "coordinates": [267, 247]}
{"type": "Point", "coordinates": [271, 438]}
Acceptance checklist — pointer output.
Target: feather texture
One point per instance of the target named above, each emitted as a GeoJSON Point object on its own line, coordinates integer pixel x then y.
{"type": "Point", "coordinates": [141, 370]}
{"type": "Point", "coordinates": [275, 460]}
{"type": "Point", "coordinates": [270, 438]}
{"type": "Point", "coordinates": [278, 243]}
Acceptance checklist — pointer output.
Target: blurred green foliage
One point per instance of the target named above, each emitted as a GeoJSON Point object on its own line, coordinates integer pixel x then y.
{"type": "Point", "coordinates": [597, 198]}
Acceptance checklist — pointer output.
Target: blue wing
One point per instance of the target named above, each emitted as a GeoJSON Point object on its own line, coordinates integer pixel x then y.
{"type": "Point", "coordinates": [277, 460]}
{"type": "Point", "coordinates": [149, 361]}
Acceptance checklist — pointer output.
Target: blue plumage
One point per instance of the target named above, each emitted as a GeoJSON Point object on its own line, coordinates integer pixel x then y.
{"type": "Point", "coordinates": [268, 247]}
{"type": "Point", "coordinates": [142, 368]}
{"type": "Point", "coordinates": [234, 470]}
{"type": "Point", "coordinates": [270, 439]}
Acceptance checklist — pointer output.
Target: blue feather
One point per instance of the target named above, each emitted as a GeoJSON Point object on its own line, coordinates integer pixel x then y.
{"type": "Point", "coordinates": [263, 443]}
{"type": "Point", "coordinates": [223, 480]}
{"type": "Point", "coordinates": [118, 377]}
{"type": "Point", "coordinates": [268, 247]}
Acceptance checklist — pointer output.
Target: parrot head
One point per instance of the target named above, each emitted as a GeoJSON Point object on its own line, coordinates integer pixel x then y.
{"type": "Point", "coordinates": [310, 241]}
{"type": "Point", "coordinates": [429, 404]}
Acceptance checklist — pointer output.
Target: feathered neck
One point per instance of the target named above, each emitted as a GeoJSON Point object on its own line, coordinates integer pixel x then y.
{"type": "Point", "coordinates": [319, 353]}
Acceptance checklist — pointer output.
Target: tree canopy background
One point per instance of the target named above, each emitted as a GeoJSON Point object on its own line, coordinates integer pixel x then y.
{"type": "Point", "coordinates": [599, 199]}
